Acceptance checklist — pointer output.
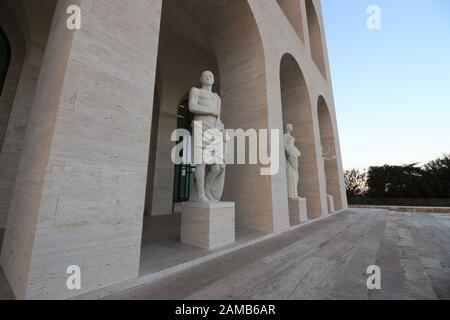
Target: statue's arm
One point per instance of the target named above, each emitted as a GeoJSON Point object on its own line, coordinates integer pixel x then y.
{"type": "Point", "coordinates": [219, 107]}
{"type": "Point", "coordinates": [194, 106]}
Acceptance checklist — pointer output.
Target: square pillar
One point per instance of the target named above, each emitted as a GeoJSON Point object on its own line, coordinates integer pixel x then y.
{"type": "Point", "coordinates": [298, 211]}
{"type": "Point", "coordinates": [80, 188]}
{"type": "Point", "coordinates": [330, 200]}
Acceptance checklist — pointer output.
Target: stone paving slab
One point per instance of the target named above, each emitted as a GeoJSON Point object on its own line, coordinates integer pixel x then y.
{"type": "Point", "coordinates": [326, 260]}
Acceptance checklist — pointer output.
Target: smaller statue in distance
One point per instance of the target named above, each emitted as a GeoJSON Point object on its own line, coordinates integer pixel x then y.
{"type": "Point", "coordinates": [292, 166]}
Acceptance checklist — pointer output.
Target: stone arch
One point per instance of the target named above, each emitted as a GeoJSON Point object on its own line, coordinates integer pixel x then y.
{"type": "Point", "coordinates": [297, 110]}
{"type": "Point", "coordinates": [293, 11]}
{"type": "Point", "coordinates": [315, 37]}
{"type": "Point", "coordinates": [222, 36]}
{"type": "Point", "coordinates": [184, 52]}
{"type": "Point", "coordinates": [328, 140]}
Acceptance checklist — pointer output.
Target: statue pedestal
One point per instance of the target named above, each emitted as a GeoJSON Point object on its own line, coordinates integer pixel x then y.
{"type": "Point", "coordinates": [208, 225]}
{"type": "Point", "coordinates": [330, 202]}
{"type": "Point", "coordinates": [298, 212]}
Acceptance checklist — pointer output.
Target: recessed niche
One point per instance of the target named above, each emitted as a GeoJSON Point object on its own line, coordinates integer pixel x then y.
{"type": "Point", "coordinates": [315, 37]}
{"type": "Point", "coordinates": [292, 11]}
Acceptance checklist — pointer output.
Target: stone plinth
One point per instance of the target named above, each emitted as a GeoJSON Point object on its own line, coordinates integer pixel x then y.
{"type": "Point", "coordinates": [298, 212]}
{"type": "Point", "coordinates": [330, 202]}
{"type": "Point", "coordinates": [208, 225]}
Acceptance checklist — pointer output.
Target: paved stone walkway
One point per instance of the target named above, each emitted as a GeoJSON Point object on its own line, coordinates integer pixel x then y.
{"type": "Point", "coordinates": [326, 260]}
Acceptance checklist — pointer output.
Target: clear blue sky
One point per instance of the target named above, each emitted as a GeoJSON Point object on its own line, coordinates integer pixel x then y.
{"type": "Point", "coordinates": [391, 86]}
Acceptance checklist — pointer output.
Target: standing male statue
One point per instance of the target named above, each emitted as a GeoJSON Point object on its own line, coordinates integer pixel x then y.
{"type": "Point", "coordinates": [292, 157]}
{"type": "Point", "coordinates": [209, 135]}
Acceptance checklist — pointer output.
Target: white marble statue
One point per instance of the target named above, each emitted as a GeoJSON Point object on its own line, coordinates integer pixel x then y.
{"type": "Point", "coordinates": [206, 107]}
{"type": "Point", "coordinates": [292, 156]}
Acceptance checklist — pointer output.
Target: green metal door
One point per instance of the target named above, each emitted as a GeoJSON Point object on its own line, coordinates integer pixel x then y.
{"type": "Point", "coordinates": [185, 173]}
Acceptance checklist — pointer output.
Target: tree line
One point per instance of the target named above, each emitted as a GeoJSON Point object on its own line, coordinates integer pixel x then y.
{"type": "Point", "coordinates": [431, 181]}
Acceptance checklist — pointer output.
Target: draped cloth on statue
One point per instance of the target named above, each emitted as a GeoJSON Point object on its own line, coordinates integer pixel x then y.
{"type": "Point", "coordinates": [209, 143]}
{"type": "Point", "coordinates": [292, 163]}
{"type": "Point", "coordinates": [210, 148]}
{"type": "Point", "coordinates": [216, 189]}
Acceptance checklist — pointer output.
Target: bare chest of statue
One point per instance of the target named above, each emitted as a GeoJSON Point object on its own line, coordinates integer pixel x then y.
{"type": "Point", "coordinates": [209, 100]}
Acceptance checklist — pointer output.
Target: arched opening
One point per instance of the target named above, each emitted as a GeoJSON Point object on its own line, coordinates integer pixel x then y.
{"type": "Point", "coordinates": [297, 111]}
{"type": "Point", "coordinates": [195, 36]}
{"type": "Point", "coordinates": [327, 138]}
{"type": "Point", "coordinates": [292, 11]}
{"type": "Point", "coordinates": [184, 53]}
{"type": "Point", "coordinates": [315, 37]}
{"type": "Point", "coordinates": [5, 56]}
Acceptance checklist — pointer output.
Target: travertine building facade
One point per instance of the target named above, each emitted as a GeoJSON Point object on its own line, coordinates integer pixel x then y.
{"type": "Point", "coordinates": [86, 118]}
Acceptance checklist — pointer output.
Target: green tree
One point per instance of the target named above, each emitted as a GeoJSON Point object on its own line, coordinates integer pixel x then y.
{"type": "Point", "coordinates": [395, 181]}
{"type": "Point", "coordinates": [355, 183]}
{"type": "Point", "coordinates": [437, 178]}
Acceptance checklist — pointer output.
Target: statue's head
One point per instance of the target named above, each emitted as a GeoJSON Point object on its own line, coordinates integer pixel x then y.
{"type": "Point", "coordinates": [207, 78]}
{"type": "Point", "coordinates": [289, 128]}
